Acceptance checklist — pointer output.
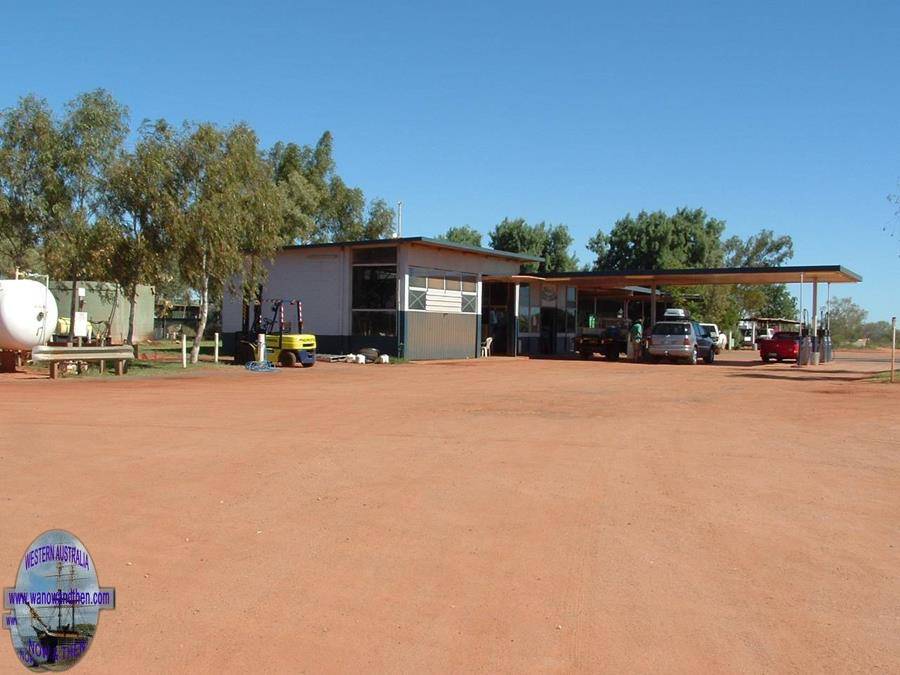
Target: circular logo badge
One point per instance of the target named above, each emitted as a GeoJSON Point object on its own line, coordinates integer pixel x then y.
{"type": "Point", "coordinates": [55, 606]}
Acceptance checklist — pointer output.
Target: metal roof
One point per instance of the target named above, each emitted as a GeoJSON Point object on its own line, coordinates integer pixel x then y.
{"type": "Point", "coordinates": [423, 241]}
{"type": "Point", "coordinates": [705, 276]}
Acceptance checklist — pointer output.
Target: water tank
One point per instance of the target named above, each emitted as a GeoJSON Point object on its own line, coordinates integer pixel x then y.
{"type": "Point", "coordinates": [28, 313]}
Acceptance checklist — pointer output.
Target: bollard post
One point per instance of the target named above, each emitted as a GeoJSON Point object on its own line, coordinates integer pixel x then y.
{"type": "Point", "coordinates": [261, 347]}
{"type": "Point", "coordinates": [216, 349]}
{"type": "Point", "coordinates": [183, 350]}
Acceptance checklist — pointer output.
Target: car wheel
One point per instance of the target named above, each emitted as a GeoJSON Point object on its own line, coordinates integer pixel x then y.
{"type": "Point", "coordinates": [710, 357]}
{"type": "Point", "coordinates": [693, 359]}
{"type": "Point", "coordinates": [586, 354]}
{"type": "Point", "coordinates": [612, 353]}
{"type": "Point", "coordinates": [766, 358]}
{"type": "Point", "coordinates": [779, 359]}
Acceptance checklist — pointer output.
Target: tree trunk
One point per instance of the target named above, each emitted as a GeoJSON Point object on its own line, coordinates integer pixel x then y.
{"type": "Point", "coordinates": [132, 298]}
{"type": "Point", "coordinates": [201, 324]}
{"type": "Point", "coordinates": [112, 316]}
{"type": "Point", "coordinates": [73, 307]}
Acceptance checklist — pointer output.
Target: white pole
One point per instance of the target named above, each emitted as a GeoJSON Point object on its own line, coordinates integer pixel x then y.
{"type": "Point", "coordinates": [216, 349]}
{"type": "Point", "coordinates": [893, 346]}
{"type": "Point", "coordinates": [183, 350]}
{"type": "Point", "coordinates": [815, 321]}
{"type": "Point", "coordinates": [261, 347]}
{"type": "Point", "coordinates": [399, 219]}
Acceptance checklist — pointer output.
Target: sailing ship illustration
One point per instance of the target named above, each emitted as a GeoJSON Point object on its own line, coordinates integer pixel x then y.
{"type": "Point", "coordinates": [65, 642]}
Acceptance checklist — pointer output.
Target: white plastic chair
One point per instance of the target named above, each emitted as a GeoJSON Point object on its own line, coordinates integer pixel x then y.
{"type": "Point", "coordinates": [486, 347]}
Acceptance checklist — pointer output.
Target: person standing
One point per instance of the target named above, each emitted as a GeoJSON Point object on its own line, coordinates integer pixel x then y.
{"type": "Point", "coordinates": [636, 336]}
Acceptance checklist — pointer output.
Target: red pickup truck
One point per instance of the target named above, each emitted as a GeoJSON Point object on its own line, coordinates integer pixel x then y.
{"type": "Point", "coordinates": [780, 346]}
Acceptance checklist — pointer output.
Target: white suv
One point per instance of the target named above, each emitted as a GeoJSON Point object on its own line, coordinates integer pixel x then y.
{"type": "Point", "coordinates": [720, 339]}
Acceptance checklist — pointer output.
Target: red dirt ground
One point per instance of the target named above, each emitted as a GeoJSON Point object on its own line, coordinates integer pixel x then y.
{"type": "Point", "coordinates": [500, 515]}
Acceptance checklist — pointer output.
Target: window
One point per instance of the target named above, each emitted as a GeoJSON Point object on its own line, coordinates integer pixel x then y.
{"type": "Point", "coordinates": [586, 310]}
{"type": "Point", "coordinates": [442, 290]}
{"type": "Point", "coordinates": [416, 299]}
{"type": "Point", "coordinates": [380, 255]}
{"type": "Point", "coordinates": [570, 309]}
{"type": "Point", "coordinates": [374, 323]}
{"type": "Point", "coordinates": [524, 307]}
{"type": "Point", "coordinates": [418, 278]}
{"type": "Point", "coordinates": [374, 287]}
{"type": "Point", "coordinates": [672, 329]}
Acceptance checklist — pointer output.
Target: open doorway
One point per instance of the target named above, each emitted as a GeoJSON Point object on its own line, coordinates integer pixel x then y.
{"type": "Point", "coordinates": [548, 330]}
{"type": "Point", "coordinates": [498, 316]}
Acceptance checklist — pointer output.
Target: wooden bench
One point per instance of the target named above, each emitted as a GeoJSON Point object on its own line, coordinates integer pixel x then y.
{"type": "Point", "coordinates": [61, 355]}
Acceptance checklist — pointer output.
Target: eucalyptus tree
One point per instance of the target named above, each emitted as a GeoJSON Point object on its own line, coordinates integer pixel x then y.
{"type": "Point", "coordinates": [230, 214]}
{"type": "Point", "coordinates": [77, 234]}
{"type": "Point", "coordinates": [550, 242]}
{"type": "Point", "coordinates": [462, 235]}
{"type": "Point", "coordinates": [28, 142]}
{"type": "Point", "coordinates": [141, 201]}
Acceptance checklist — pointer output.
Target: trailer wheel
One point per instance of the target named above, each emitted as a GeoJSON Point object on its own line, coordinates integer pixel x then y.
{"type": "Point", "coordinates": [287, 359]}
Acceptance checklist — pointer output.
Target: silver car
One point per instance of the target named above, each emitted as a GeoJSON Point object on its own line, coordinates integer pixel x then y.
{"type": "Point", "coordinates": [683, 340]}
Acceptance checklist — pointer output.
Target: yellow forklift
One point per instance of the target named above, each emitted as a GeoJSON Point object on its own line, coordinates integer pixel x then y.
{"type": "Point", "coordinates": [285, 349]}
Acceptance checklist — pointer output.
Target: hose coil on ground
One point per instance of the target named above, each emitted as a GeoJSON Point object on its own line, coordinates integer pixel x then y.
{"type": "Point", "coordinates": [260, 366]}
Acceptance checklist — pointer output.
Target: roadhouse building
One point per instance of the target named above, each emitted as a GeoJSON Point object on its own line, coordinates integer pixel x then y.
{"type": "Point", "coordinates": [423, 298]}
{"type": "Point", "coordinates": [414, 297]}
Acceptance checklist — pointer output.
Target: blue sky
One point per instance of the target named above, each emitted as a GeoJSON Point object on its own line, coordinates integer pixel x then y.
{"type": "Point", "coordinates": [778, 115]}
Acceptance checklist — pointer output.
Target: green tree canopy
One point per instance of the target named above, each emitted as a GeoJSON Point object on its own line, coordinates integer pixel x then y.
{"type": "Point", "coordinates": [687, 238]}
{"type": "Point", "coordinates": [142, 186]}
{"type": "Point", "coordinates": [764, 249]}
{"type": "Point", "coordinates": [877, 332]}
{"type": "Point", "coordinates": [846, 319]}
{"type": "Point", "coordinates": [78, 236]}
{"type": "Point", "coordinates": [550, 242]}
{"type": "Point", "coordinates": [462, 235]}
{"type": "Point", "coordinates": [230, 214]}
{"type": "Point", "coordinates": [319, 205]}
{"type": "Point", "coordinates": [28, 154]}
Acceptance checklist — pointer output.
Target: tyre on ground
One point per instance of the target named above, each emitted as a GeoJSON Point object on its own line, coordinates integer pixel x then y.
{"type": "Point", "coordinates": [287, 359]}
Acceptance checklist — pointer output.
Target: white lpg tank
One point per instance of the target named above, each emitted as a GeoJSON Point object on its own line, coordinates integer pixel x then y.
{"type": "Point", "coordinates": [28, 313]}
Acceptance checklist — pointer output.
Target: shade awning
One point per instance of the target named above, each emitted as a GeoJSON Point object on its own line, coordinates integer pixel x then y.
{"type": "Point", "coordinates": [695, 277]}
